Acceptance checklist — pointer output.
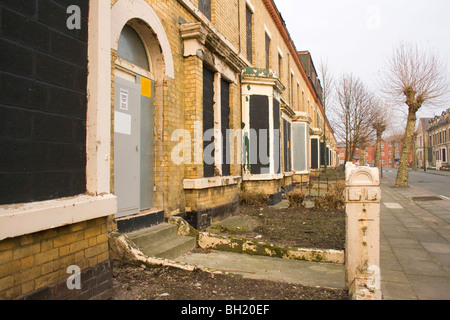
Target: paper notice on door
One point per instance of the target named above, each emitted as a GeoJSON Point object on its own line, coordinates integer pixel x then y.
{"type": "Point", "coordinates": [124, 99]}
{"type": "Point", "coordinates": [122, 123]}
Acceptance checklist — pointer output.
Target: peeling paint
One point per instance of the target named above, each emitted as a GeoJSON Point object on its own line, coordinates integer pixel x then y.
{"type": "Point", "coordinates": [252, 247]}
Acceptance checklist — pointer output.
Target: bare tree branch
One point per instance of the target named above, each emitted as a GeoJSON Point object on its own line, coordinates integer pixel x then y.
{"type": "Point", "coordinates": [353, 113]}
{"type": "Point", "coordinates": [417, 77]}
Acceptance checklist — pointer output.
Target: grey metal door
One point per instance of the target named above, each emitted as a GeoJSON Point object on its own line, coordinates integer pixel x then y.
{"type": "Point", "coordinates": [133, 146]}
{"type": "Point", "coordinates": [127, 102]}
{"type": "Point", "coordinates": [147, 158]}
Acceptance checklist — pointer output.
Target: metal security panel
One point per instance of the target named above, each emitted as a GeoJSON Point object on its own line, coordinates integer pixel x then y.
{"type": "Point", "coordinates": [127, 102]}
{"type": "Point", "coordinates": [300, 150]}
{"type": "Point", "coordinates": [147, 150]}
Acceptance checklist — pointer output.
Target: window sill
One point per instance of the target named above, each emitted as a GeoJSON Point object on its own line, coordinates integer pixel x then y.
{"type": "Point", "coordinates": [263, 177]}
{"type": "Point", "coordinates": [21, 219]}
{"type": "Point", "coordinates": [215, 182]}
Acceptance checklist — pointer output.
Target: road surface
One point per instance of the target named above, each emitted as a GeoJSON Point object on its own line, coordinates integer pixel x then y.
{"type": "Point", "coordinates": [438, 185]}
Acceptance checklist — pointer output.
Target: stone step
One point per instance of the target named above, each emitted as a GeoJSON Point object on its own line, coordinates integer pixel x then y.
{"type": "Point", "coordinates": [162, 241]}
{"type": "Point", "coordinates": [171, 249]}
{"type": "Point", "coordinates": [156, 234]}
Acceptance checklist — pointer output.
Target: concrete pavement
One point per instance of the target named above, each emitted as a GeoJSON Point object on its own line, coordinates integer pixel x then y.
{"type": "Point", "coordinates": [306, 273]}
{"type": "Point", "coordinates": [415, 247]}
{"type": "Point", "coordinates": [415, 251]}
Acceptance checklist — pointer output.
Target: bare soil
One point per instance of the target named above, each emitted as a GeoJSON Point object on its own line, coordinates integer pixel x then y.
{"type": "Point", "coordinates": [292, 227]}
{"type": "Point", "coordinates": [307, 228]}
{"type": "Point", "coordinates": [161, 283]}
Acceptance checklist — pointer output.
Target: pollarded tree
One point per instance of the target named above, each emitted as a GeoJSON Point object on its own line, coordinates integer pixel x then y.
{"type": "Point", "coordinates": [417, 77]}
{"type": "Point", "coordinates": [381, 119]}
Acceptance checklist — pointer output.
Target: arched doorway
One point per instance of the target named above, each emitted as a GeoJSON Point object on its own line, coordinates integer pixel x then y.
{"type": "Point", "coordinates": [134, 105]}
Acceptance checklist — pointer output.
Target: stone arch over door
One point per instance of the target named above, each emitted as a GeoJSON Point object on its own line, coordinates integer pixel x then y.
{"type": "Point", "coordinates": [139, 15]}
{"type": "Point", "coordinates": [124, 11]}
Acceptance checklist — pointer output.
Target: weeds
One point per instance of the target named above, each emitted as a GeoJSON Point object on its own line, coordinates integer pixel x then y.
{"type": "Point", "coordinates": [333, 199]}
{"type": "Point", "coordinates": [253, 198]}
{"type": "Point", "coordinates": [296, 198]}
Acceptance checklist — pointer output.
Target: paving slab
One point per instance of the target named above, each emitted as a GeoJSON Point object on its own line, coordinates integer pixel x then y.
{"type": "Point", "coordinates": [429, 287]}
{"type": "Point", "coordinates": [397, 291]}
{"type": "Point", "coordinates": [415, 255]}
{"type": "Point", "coordinates": [325, 275]}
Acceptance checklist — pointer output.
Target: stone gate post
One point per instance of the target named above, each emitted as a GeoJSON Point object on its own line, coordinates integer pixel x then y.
{"type": "Point", "coordinates": [362, 249]}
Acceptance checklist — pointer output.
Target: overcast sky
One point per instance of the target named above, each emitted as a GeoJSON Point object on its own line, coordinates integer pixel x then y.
{"type": "Point", "coordinates": [358, 35]}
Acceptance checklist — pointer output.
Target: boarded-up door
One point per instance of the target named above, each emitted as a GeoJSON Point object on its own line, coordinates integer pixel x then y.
{"type": "Point", "coordinates": [133, 147]}
{"type": "Point", "coordinates": [147, 150]}
{"type": "Point", "coordinates": [259, 135]}
{"type": "Point", "coordinates": [126, 146]}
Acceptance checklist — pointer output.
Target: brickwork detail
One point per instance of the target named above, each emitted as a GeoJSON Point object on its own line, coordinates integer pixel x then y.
{"type": "Point", "coordinates": [35, 261]}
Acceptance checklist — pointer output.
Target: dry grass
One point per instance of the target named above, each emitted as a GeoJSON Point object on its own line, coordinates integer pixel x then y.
{"type": "Point", "coordinates": [333, 199]}
{"type": "Point", "coordinates": [249, 198]}
{"type": "Point", "coordinates": [296, 198]}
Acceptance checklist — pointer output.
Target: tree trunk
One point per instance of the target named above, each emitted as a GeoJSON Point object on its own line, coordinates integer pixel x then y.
{"type": "Point", "coordinates": [403, 174]}
{"type": "Point", "coordinates": [377, 161]}
{"type": "Point", "coordinates": [414, 154]}
{"type": "Point", "coordinates": [363, 157]}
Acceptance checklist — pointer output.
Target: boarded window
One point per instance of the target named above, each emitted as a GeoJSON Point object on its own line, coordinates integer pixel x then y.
{"type": "Point", "coordinates": [43, 103]}
{"type": "Point", "coordinates": [205, 7]}
{"type": "Point", "coordinates": [249, 24]}
{"type": "Point", "coordinates": [291, 89]}
{"type": "Point", "coordinates": [225, 123]}
{"type": "Point", "coordinates": [280, 66]}
{"type": "Point", "coordinates": [314, 154]}
{"type": "Point", "coordinates": [208, 123]}
{"type": "Point", "coordinates": [259, 138]}
{"type": "Point", "coordinates": [287, 146]}
{"type": "Point", "coordinates": [268, 40]}
{"type": "Point", "coordinates": [322, 154]}
{"type": "Point", "coordinates": [276, 137]}
{"type": "Point", "coordinates": [328, 156]}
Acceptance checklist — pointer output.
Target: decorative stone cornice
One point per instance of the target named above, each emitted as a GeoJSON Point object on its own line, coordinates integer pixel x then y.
{"type": "Point", "coordinates": [209, 41]}
{"type": "Point", "coordinates": [193, 31]}
{"type": "Point", "coordinates": [301, 116]}
{"type": "Point", "coordinates": [257, 76]}
{"type": "Point", "coordinates": [287, 110]}
{"type": "Point", "coordinates": [315, 131]}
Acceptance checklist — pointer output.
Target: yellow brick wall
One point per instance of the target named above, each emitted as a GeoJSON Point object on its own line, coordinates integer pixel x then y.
{"type": "Point", "coordinates": [268, 187]}
{"type": "Point", "coordinates": [263, 20]}
{"type": "Point", "coordinates": [182, 96]}
{"type": "Point", "coordinates": [198, 200]}
{"type": "Point", "coordinates": [193, 102]}
{"type": "Point", "coordinates": [31, 262]}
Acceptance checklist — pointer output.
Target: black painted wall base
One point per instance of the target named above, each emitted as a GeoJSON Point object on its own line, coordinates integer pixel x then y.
{"type": "Point", "coordinates": [202, 219]}
{"type": "Point", "coordinates": [96, 284]}
{"type": "Point", "coordinates": [138, 222]}
{"type": "Point", "coordinates": [275, 198]}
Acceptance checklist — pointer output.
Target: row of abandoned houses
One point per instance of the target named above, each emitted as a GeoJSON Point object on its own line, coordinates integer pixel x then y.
{"type": "Point", "coordinates": [122, 113]}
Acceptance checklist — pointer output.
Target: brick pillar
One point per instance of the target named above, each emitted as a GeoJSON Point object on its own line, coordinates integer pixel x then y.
{"type": "Point", "coordinates": [362, 198]}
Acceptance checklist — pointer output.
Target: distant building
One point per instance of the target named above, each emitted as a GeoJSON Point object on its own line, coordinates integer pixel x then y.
{"type": "Point", "coordinates": [421, 144]}
{"type": "Point", "coordinates": [438, 136]}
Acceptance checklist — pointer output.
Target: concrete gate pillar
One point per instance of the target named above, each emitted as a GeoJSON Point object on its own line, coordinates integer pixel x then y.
{"type": "Point", "coordinates": [362, 198]}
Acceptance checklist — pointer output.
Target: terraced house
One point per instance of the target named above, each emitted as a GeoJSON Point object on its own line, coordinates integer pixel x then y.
{"type": "Point", "coordinates": [119, 114]}
{"type": "Point", "coordinates": [438, 134]}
